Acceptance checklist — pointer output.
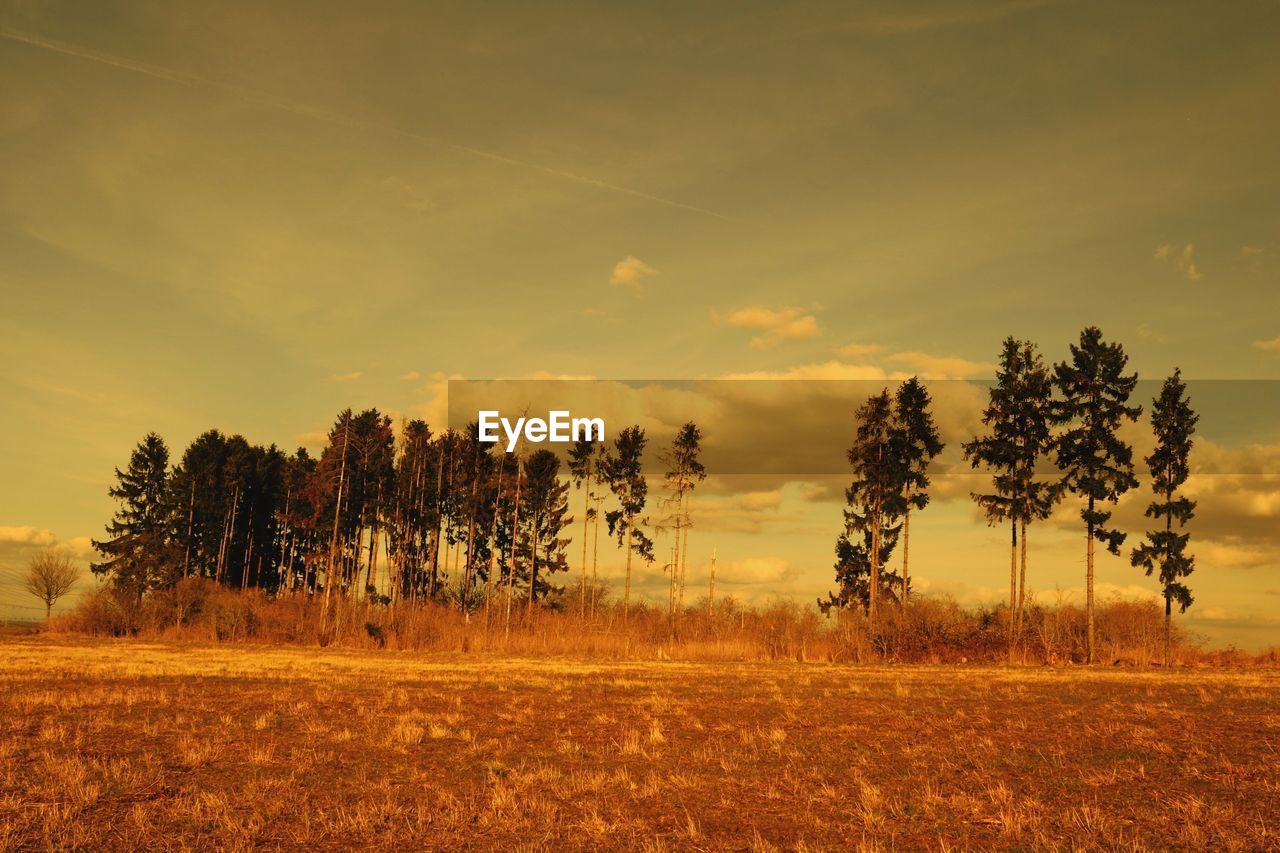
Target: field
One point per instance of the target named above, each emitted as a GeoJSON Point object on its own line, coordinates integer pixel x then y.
{"type": "Point", "coordinates": [123, 745]}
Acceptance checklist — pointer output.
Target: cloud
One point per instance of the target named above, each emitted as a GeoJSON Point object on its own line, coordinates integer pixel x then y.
{"type": "Point", "coordinates": [755, 570]}
{"type": "Point", "coordinates": [347, 377]}
{"type": "Point", "coordinates": [27, 535]}
{"type": "Point", "coordinates": [411, 376]}
{"type": "Point", "coordinates": [858, 350]}
{"type": "Point", "coordinates": [821, 371]}
{"type": "Point", "coordinates": [1272, 345]}
{"type": "Point", "coordinates": [1247, 251]}
{"type": "Point", "coordinates": [630, 272]}
{"type": "Point", "coordinates": [317, 438]}
{"type": "Point", "coordinates": [1182, 259]}
{"type": "Point", "coordinates": [777, 324]}
{"type": "Point", "coordinates": [943, 367]}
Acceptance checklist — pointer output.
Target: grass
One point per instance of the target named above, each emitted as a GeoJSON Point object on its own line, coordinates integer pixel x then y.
{"type": "Point", "coordinates": [122, 745]}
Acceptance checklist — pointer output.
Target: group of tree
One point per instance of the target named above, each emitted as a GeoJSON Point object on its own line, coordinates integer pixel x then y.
{"type": "Point", "coordinates": [895, 442]}
{"type": "Point", "coordinates": [394, 515]}
{"type": "Point", "coordinates": [1050, 433]}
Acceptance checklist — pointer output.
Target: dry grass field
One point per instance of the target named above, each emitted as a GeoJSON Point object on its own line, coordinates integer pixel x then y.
{"type": "Point", "coordinates": [123, 745]}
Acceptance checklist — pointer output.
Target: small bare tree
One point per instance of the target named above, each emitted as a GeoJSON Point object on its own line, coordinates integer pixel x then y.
{"type": "Point", "coordinates": [49, 577]}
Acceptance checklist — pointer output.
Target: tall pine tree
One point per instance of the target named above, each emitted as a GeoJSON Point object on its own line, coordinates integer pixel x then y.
{"type": "Point", "coordinates": [1174, 423]}
{"type": "Point", "coordinates": [918, 444]}
{"type": "Point", "coordinates": [624, 472]}
{"type": "Point", "coordinates": [1019, 416]}
{"type": "Point", "coordinates": [877, 496]}
{"type": "Point", "coordinates": [137, 552]}
{"type": "Point", "coordinates": [1096, 463]}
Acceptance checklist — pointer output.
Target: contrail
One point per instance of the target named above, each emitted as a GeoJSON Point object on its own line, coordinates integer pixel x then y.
{"type": "Point", "coordinates": [181, 77]}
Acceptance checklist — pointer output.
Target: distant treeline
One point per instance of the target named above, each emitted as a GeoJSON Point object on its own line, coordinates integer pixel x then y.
{"type": "Point", "coordinates": [449, 519]}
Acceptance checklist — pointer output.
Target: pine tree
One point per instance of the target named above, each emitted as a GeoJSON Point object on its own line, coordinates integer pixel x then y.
{"type": "Point", "coordinates": [684, 471]}
{"type": "Point", "coordinates": [546, 504]}
{"type": "Point", "coordinates": [625, 475]}
{"type": "Point", "coordinates": [918, 444]}
{"type": "Point", "coordinates": [138, 555]}
{"type": "Point", "coordinates": [1097, 465]}
{"type": "Point", "coordinates": [1019, 415]}
{"type": "Point", "coordinates": [877, 496]}
{"type": "Point", "coordinates": [584, 467]}
{"type": "Point", "coordinates": [1174, 423]}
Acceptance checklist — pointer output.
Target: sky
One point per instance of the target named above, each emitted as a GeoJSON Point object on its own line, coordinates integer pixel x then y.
{"type": "Point", "coordinates": [250, 216]}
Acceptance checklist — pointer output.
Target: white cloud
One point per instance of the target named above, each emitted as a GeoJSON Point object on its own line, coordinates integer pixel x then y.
{"type": "Point", "coordinates": [825, 370]}
{"type": "Point", "coordinates": [1272, 345]}
{"type": "Point", "coordinates": [1182, 258]}
{"type": "Point", "coordinates": [942, 366]}
{"type": "Point", "coordinates": [347, 377]}
{"type": "Point", "coordinates": [776, 324]}
{"type": "Point", "coordinates": [858, 350]}
{"type": "Point", "coordinates": [317, 438]}
{"type": "Point", "coordinates": [630, 272]}
{"type": "Point", "coordinates": [411, 376]}
{"type": "Point", "coordinates": [27, 535]}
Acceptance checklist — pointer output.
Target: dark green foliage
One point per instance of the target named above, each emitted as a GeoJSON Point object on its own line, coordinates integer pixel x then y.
{"type": "Point", "coordinates": [1020, 417]}
{"type": "Point", "coordinates": [622, 469]}
{"type": "Point", "coordinates": [138, 554]}
{"type": "Point", "coordinates": [877, 498]}
{"type": "Point", "coordinates": [1165, 551]}
{"type": "Point", "coordinates": [1096, 463]}
{"type": "Point", "coordinates": [917, 438]}
{"type": "Point", "coordinates": [546, 507]}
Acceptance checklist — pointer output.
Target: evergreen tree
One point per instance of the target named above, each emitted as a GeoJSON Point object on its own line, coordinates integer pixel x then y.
{"type": "Point", "coordinates": [919, 444]}
{"type": "Point", "coordinates": [684, 471]}
{"type": "Point", "coordinates": [625, 475]}
{"type": "Point", "coordinates": [547, 505]}
{"type": "Point", "coordinates": [1097, 465]}
{"type": "Point", "coordinates": [1019, 414]}
{"type": "Point", "coordinates": [853, 572]}
{"type": "Point", "coordinates": [1174, 423]}
{"type": "Point", "coordinates": [138, 555]}
{"type": "Point", "coordinates": [877, 496]}
{"type": "Point", "coordinates": [584, 467]}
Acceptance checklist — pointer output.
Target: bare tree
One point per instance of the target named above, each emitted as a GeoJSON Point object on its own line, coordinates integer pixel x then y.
{"type": "Point", "coordinates": [49, 577]}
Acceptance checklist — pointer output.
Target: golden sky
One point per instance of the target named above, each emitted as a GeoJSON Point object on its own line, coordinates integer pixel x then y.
{"type": "Point", "coordinates": [252, 215]}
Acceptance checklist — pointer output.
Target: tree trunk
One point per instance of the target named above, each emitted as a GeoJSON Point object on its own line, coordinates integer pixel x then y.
{"type": "Point", "coordinates": [906, 555]}
{"type": "Point", "coordinates": [1013, 581]}
{"type": "Point", "coordinates": [1168, 630]}
{"type": "Point", "coordinates": [595, 557]}
{"type": "Point", "coordinates": [533, 566]}
{"type": "Point", "coordinates": [1022, 580]}
{"type": "Point", "coordinates": [1088, 580]}
{"type": "Point", "coordinates": [626, 596]}
{"type": "Point", "coordinates": [586, 511]}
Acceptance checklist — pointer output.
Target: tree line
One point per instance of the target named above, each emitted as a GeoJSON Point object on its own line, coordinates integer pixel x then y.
{"type": "Point", "coordinates": [416, 516]}
{"type": "Point", "coordinates": [1050, 434]}
{"type": "Point", "coordinates": [412, 517]}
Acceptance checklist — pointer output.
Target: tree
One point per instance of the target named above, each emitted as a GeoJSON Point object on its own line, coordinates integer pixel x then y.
{"type": "Point", "coordinates": [546, 502]}
{"type": "Point", "coordinates": [1097, 465]}
{"type": "Point", "coordinates": [918, 444]}
{"type": "Point", "coordinates": [876, 497]}
{"type": "Point", "coordinates": [684, 472]}
{"type": "Point", "coordinates": [1174, 423]}
{"type": "Point", "coordinates": [1019, 415]}
{"type": "Point", "coordinates": [137, 551]}
{"type": "Point", "coordinates": [623, 472]}
{"type": "Point", "coordinates": [853, 572]}
{"type": "Point", "coordinates": [49, 577]}
{"type": "Point", "coordinates": [583, 462]}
